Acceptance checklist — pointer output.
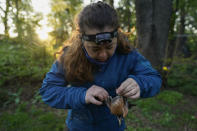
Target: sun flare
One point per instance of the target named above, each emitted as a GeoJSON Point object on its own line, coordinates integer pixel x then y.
{"type": "Point", "coordinates": [43, 31]}
{"type": "Point", "coordinates": [43, 34]}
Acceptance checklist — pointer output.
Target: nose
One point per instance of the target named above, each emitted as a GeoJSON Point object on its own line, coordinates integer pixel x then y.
{"type": "Point", "coordinates": [102, 55]}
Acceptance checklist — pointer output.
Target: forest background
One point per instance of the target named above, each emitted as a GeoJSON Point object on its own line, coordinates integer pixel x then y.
{"type": "Point", "coordinates": [164, 31]}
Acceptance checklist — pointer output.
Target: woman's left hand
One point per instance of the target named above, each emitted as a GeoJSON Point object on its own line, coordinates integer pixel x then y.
{"type": "Point", "coordinates": [129, 88]}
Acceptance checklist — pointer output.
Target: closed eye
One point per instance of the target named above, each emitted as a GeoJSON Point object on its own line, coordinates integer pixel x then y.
{"type": "Point", "coordinates": [110, 46]}
{"type": "Point", "coordinates": [95, 49]}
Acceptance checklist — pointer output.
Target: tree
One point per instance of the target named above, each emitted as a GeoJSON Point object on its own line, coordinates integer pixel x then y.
{"type": "Point", "coordinates": [4, 18]}
{"type": "Point", "coordinates": [21, 10]}
{"type": "Point", "coordinates": [171, 39]}
{"type": "Point", "coordinates": [61, 18]}
{"type": "Point", "coordinates": [153, 20]}
{"type": "Point", "coordinates": [182, 30]}
{"type": "Point", "coordinates": [25, 20]}
{"type": "Point", "coordinates": [126, 14]}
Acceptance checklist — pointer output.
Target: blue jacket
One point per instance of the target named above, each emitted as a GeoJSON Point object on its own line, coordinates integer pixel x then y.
{"type": "Point", "coordinates": [88, 117]}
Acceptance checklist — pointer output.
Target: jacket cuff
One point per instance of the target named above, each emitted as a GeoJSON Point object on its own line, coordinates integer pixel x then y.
{"type": "Point", "coordinates": [83, 95]}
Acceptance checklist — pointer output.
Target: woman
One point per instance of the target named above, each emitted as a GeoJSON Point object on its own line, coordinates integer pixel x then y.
{"type": "Point", "coordinates": [99, 63]}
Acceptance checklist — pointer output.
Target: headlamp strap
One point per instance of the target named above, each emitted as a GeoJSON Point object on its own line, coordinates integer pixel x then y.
{"type": "Point", "coordinates": [99, 37]}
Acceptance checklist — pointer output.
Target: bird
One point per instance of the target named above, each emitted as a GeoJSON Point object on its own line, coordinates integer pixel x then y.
{"type": "Point", "coordinates": [118, 106]}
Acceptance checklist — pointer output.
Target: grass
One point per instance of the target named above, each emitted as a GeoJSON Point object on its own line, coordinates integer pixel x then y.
{"type": "Point", "coordinates": [32, 119]}
{"type": "Point", "coordinates": [166, 111]}
{"type": "Point", "coordinates": [170, 97]}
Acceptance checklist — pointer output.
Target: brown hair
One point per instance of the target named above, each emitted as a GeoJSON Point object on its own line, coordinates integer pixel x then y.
{"type": "Point", "coordinates": [78, 70]}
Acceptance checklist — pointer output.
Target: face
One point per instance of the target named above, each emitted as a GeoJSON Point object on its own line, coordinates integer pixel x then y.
{"type": "Point", "coordinates": [100, 52]}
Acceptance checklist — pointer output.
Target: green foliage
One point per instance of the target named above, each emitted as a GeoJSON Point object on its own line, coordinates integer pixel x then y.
{"type": "Point", "coordinates": [61, 19]}
{"type": "Point", "coordinates": [4, 97]}
{"type": "Point", "coordinates": [166, 119]}
{"type": "Point", "coordinates": [183, 76]}
{"type": "Point", "coordinates": [189, 119]}
{"type": "Point", "coordinates": [170, 97]}
{"type": "Point", "coordinates": [139, 129]}
{"type": "Point", "coordinates": [20, 62]}
{"type": "Point", "coordinates": [126, 14]}
{"type": "Point", "coordinates": [12, 98]}
{"type": "Point", "coordinates": [168, 110]}
{"type": "Point", "coordinates": [150, 104]}
{"type": "Point", "coordinates": [21, 18]}
{"type": "Point", "coordinates": [192, 44]}
{"type": "Point", "coordinates": [37, 98]}
{"type": "Point", "coordinates": [24, 119]}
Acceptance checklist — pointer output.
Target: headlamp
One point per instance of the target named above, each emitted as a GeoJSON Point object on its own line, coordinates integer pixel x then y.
{"type": "Point", "coordinates": [100, 38]}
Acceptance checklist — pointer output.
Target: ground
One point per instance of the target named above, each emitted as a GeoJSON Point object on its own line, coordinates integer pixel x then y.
{"type": "Point", "coordinates": [169, 110]}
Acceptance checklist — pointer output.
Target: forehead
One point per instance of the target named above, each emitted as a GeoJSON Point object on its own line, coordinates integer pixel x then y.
{"type": "Point", "coordinates": [93, 31]}
{"type": "Point", "coordinates": [94, 45]}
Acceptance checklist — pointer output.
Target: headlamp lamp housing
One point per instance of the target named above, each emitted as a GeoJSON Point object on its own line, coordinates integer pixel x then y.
{"type": "Point", "coordinates": [100, 38]}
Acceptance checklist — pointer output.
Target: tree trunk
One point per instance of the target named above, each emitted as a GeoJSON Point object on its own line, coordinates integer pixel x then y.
{"type": "Point", "coordinates": [153, 20]}
{"type": "Point", "coordinates": [129, 15]}
{"type": "Point", "coordinates": [5, 18]}
{"type": "Point", "coordinates": [18, 29]}
{"type": "Point", "coordinates": [181, 39]}
{"type": "Point", "coordinates": [111, 3]}
{"type": "Point", "coordinates": [172, 38]}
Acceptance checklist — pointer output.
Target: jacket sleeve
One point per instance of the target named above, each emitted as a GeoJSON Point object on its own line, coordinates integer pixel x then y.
{"type": "Point", "coordinates": [57, 94]}
{"type": "Point", "coordinates": [147, 78]}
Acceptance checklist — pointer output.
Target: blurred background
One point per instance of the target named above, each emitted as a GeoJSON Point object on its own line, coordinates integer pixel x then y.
{"type": "Point", "coordinates": [164, 31]}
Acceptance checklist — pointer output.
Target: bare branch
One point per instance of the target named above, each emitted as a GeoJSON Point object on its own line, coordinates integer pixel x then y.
{"type": "Point", "coordinates": [2, 9]}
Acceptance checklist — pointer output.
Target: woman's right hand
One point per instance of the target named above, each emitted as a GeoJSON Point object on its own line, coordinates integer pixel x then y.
{"type": "Point", "coordinates": [96, 95]}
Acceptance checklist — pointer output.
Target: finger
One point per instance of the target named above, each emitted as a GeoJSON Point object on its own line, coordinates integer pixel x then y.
{"type": "Point", "coordinates": [134, 91]}
{"type": "Point", "coordinates": [94, 101]}
{"type": "Point", "coordinates": [128, 89]}
{"type": "Point", "coordinates": [122, 87]}
{"type": "Point", "coordinates": [136, 96]}
{"type": "Point", "coordinates": [102, 90]}
{"type": "Point", "coordinates": [105, 93]}
{"type": "Point", "coordinates": [105, 97]}
{"type": "Point", "coordinates": [127, 83]}
{"type": "Point", "coordinates": [102, 94]}
{"type": "Point", "coordinates": [128, 94]}
{"type": "Point", "coordinates": [131, 92]}
{"type": "Point", "coordinates": [100, 97]}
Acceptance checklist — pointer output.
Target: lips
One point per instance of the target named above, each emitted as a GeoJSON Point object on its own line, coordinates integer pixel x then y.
{"type": "Point", "coordinates": [101, 60]}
